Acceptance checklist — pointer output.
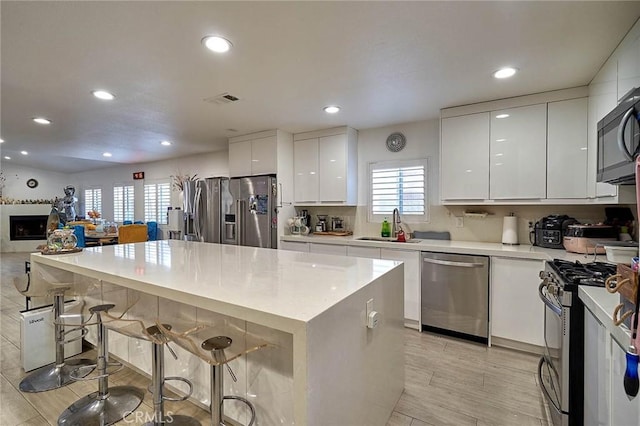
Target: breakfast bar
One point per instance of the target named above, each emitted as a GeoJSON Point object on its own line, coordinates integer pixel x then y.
{"type": "Point", "coordinates": [323, 366]}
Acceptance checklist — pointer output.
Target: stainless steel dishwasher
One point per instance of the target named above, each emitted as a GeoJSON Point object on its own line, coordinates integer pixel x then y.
{"type": "Point", "coordinates": [455, 295]}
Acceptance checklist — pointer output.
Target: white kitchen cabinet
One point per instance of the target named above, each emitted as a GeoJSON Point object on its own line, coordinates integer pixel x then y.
{"type": "Point", "coordinates": [515, 280]}
{"type": "Point", "coordinates": [602, 99]}
{"type": "Point", "coordinates": [628, 76]}
{"type": "Point", "coordinates": [368, 252]}
{"type": "Point", "coordinates": [464, 148]}
{"type": "Point", "coordinates": [624, 412]}
{"type": "Point", "coordinates": [412, 263]}
{"type": "Point", "coordinates": [326, 167]}
{"type": "Point", "coordinates": [567, 149]}
{"type": "Point", "coordinates": [294, 246]}
{"type": "Point", "coordinates": [250, 157]}
{"type": "Point", "coordinates": [305, 169]}
{"type": "Point", "coordinates": [596, 372]}
{"type": "Point", "coordinates": [328, 249]}
{"type": "Point", "coordinates": [518, 153]}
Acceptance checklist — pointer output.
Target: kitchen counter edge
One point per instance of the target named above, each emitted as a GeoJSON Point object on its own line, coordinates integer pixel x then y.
{"type": "Point", "coordinates": [602, 303]}
{"type": "Point", "coordinates": [523, 251]}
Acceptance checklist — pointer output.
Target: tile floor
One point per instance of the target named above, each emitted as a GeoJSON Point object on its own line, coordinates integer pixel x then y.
{"type": "Point", "coordinates": [448, 381]}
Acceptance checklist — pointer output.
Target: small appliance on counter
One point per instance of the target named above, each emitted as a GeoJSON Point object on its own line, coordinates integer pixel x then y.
{"type": "Point", "coordinates": [587, 239]}
{"type": "Point", "coordinates": [337, 224]}
{"type": "Point", "coordinates": [321, 225]}
{"type": "Point", "coordinates": [549, 231]}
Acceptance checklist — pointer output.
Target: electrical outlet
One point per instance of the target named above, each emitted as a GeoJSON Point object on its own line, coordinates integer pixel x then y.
{"type": "Point", "coordinates": [459, 222]}
{"type": "Point", "coordinates": [369, 307]}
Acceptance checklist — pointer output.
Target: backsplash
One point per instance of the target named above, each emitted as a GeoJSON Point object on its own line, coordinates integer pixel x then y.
{"type": "Point", "coordinates": [487, 229]}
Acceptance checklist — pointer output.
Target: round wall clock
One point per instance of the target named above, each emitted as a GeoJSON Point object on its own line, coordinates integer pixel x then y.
{"type": "Point", "coordinates": [32, 183]}
{"type": "Point", "coordinates": [396, 142]}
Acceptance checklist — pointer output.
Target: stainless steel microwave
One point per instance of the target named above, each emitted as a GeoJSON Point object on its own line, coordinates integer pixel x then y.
{"type": "Point", "coordinates": [619, 141]}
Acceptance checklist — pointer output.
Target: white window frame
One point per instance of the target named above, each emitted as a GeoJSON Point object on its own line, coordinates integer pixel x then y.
{"type": "Point", "coordinates": [406, 217]}
{"type": "Point", "coordinates": [94, 206]}
{"type": "Point", "coordinates": [160, 215]}
{"type": "Point", "coordinates": [122, 208]}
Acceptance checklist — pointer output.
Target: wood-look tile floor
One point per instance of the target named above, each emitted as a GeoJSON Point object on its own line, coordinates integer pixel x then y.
{"type": "Point", "coordinates": [447, 381]}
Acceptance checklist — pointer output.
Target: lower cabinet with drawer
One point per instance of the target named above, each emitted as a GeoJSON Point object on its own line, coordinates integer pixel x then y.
{"type": "Point", "coordinates": [411, 259]}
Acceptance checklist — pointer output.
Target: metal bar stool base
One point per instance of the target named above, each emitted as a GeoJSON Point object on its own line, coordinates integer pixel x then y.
{"type": "Point", "coordinates": [176, 420]}
{"type": "Point", "coordinates": [53, 377]}
{"type": "Point", "coordinates": [92, 410]}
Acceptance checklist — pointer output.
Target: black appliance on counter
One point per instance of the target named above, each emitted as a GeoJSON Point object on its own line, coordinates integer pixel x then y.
{"type": "Point", "coordinates": [561, 368]}
{"type": "Point", "coordinates": [619, 141]}
{"type": "Point", "coordinates": [549, 231]}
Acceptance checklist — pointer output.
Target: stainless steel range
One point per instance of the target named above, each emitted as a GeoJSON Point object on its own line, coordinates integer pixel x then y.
{"type": "Point", "coordinates": [560, 370]}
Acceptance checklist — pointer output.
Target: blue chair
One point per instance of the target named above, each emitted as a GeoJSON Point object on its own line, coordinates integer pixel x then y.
{"type": "Point", "coordinates": [152, 231]}
{"type": "Point", "coordinates": [138, 222]}
{"type": "Point", "coordinates": [78, 230]}
{"type": "Point", "coordinates": [127, 222]}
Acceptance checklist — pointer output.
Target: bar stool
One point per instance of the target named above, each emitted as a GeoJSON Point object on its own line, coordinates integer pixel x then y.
{"type": "Point", "coordinates": [107, 405]}
{"type": "Point", "coordinates": [137, 329]}
{"type": "Point", "coordinates": [216, 345]}
{"type": "Point", "coordinates": [57, 374]}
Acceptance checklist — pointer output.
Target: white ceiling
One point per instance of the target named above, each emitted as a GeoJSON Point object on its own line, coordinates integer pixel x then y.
{"type": "Point", "coordinates": [382, 62]}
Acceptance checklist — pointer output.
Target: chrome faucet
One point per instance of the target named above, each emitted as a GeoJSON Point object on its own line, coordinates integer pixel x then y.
{"type": "Point", "coordinates": [395, 227]}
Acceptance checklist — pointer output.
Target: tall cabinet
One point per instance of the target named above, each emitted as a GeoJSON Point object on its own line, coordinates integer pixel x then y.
{"type": "Point", "coordinates": [326, 167]}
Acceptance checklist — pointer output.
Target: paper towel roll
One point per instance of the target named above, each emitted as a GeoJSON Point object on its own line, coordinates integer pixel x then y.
{"type": "Point", "coordinates": [510, 230]}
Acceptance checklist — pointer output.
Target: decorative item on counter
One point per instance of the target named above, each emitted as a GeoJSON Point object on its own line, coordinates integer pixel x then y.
{"type": "Point", "coordinates": [401, 236]}
{"type": "Point", "coordinates": [386, 228]}
{"type": "Point", "coordinates": [60, 240]}
{"type": "Point", "coordinates": [510, 230]}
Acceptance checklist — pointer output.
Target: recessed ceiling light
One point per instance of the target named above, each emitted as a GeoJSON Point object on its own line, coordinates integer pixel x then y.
{"type": "Point", "coordinates": [6, 157]}
{"type": "Point", "coordinates": [103, 94]}
{"type": "Point", "coordinates": [42, 120]}
{"type": "Point", "coordinates": [505, 72]}
{"type": "Point", "coordinates": [502, 115]}
{"type": "Point", "coordinates": [1, 140]}
{"type": "Point", "coordinates": [106, 154]}
{"type": "Point", "coordinates": [331, 109]}
{"type": "Point", "coordinates": [165, 143]}
{"type": "Point", "coordinates": [217, 44]}
{"type": "Point", "coordinates": [24, 153]}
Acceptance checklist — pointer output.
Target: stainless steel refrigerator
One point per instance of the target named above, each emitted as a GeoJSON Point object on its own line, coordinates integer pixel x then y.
{"type": "Point", "coordinates": [252, 218]}
{"type": "Point", "coordinates": [204, 202]}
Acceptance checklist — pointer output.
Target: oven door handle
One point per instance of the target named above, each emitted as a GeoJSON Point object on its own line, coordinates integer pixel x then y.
{"type": "Point", "coordinates": [544, 389]}
{"type": "Point", "coordinates": [555, 308]}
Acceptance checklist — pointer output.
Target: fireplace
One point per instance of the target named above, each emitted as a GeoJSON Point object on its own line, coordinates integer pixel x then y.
{"type": "Point", "coordinates": [28, 227]}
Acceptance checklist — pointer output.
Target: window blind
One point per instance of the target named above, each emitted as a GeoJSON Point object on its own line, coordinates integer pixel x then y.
{"type": "Point", "coordinates": [157, 198]}
{"type": "Point", "coordinates": [401, 186]}
{"type": "Point", "coordinates": [123, 203]}
{"type": "Point", "coordinates": [92, 200]}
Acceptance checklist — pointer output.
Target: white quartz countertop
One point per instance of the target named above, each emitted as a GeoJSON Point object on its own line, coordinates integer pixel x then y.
{"type": "Point", "coordinates": [525, 251]}
{"type": "Point", "coordinates": [245, 282]}
{"type": "Point", "coordinates": [602, 303]}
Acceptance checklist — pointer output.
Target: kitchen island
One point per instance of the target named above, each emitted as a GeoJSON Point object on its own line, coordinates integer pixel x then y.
{"type": "Point", "coordinates": [324, 366]}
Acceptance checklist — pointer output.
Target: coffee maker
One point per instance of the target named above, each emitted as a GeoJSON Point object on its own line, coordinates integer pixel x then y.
{"type": "Point", "coordinates": [305, 218]}
{"type": "Point", "coordinates": [321, 225]}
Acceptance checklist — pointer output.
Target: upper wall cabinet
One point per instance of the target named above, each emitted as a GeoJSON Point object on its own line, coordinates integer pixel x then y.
{"type": "Point", "coordinates": [253, 156]}
{"type": "Point", "coordinates": [517, 158]}
{"type": "Point", "coordinates": [464, 151]}
{"type": "Point", "coordinates": [629, 65]}
{"type": "Point", "coordinates": [326, 167]}
{"type": "Point", "coordinates": [567, 149]}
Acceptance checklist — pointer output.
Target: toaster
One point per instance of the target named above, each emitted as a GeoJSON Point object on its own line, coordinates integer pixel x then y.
{"type": "Point", "coordinates": [586, 239]}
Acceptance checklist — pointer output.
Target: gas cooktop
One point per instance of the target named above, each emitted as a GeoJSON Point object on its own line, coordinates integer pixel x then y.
{"type": "Point", "coordinates": [592, 273]}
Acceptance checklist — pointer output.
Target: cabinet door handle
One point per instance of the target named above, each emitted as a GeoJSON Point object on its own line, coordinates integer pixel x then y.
{"type": "Point", "coordinates": [450, 263]}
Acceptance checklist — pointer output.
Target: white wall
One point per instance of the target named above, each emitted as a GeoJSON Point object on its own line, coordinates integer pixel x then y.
{"type": "Point", "coordinates": [204, 165]}
{"type": "Point", "coordinates": [50, 184]}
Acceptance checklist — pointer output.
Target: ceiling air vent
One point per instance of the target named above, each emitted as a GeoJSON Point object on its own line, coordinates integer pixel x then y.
{"type": "Point", "coordinates": [221, 99]}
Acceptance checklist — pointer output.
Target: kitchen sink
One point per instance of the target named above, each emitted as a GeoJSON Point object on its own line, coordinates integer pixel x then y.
{"type": "Point", "coordinates": [386, 240]}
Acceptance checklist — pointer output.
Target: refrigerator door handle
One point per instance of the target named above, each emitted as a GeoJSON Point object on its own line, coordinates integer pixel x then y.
{"type": "Point", "coordinates": [196, 216]}
{"type": "Point", "coordinates": [240, 222]}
